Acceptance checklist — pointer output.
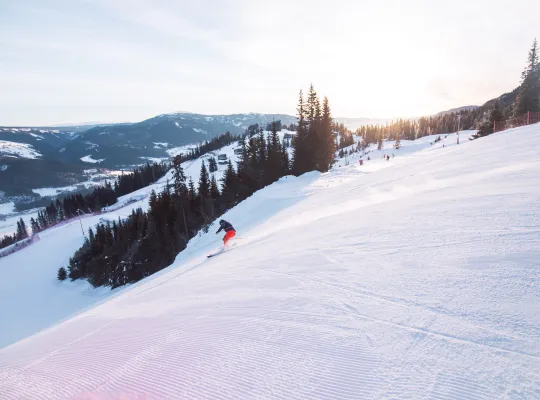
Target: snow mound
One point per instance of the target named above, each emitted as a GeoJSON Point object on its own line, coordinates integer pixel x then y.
{"type": "Point", "coordinates": [89, 159]}
{"type": "Point", "coordinates": [418, 280]}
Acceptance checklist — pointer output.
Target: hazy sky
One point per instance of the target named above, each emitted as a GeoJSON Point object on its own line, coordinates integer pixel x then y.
{"type": "Point", "coordinates": [67, 61]}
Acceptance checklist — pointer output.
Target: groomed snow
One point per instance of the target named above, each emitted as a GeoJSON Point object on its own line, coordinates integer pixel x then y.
{"type": "Point", "coordinates": [14, 149]}
{"type": "Point", "coordinates": [416, 278]}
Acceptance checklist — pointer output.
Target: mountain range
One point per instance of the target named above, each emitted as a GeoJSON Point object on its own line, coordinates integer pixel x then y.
{"type": "Point", "coordinates": [34, 157]}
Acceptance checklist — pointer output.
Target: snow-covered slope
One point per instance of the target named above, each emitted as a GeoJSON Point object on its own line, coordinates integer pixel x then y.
{"type": "Point", "coordinates": [407, 147]}
{"type": "Point", "coordinates": [415, 280]}
{"type": "Point", "coordinates": [45, 306]}
{"type": "Point", "coordinates": [19, 150]}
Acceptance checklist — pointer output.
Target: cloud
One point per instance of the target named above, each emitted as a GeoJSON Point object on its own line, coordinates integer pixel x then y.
{"type": "Point", "coordinates": [372, 58]}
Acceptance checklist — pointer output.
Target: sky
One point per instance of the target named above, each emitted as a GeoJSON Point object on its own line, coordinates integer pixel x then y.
{"type": "Point", "coordinates": [72, 61]}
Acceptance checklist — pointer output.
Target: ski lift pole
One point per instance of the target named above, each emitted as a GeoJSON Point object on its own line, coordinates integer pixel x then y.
{"type": "Point", "coordinates": [80, 221]}
{"type": "Point", "coordinates": [458, 119]}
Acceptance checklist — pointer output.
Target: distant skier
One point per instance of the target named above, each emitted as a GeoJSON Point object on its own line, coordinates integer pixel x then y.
{"type": "Point", "coordinates": [228, 228]}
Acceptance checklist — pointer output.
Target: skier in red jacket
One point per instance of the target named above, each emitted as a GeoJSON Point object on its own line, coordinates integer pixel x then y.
{"type": "Point", "coordinates": [229, 230]}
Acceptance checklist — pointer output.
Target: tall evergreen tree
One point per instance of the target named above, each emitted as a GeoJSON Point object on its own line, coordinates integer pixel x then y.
{"type": "Point", "coordinates": [300, 143]}
{"type": "Point", "coordinates": [34, 225]}
{"type": "Point", "coordinates": [179, 176]}
{"type": "Point", "coordinates": [325, 140]}
{"type": "Point", "coordinates": [275, 156]}
{"type": "Point", "coordinates": [262, 159]}
{"type": "Point", "coordinates": [22, 232]}
{"type": "Point", "coordinates": [230, 187]}
{"type": "Point", "coordinates": [204, 182]}
{"type": "Point", "coordinates": [528, 98]}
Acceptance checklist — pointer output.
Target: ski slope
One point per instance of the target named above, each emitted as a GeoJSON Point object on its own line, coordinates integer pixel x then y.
{"type": "Point", "coordinates": [28, 277]}
{"type": "Point", "coordinates": [416, 278]}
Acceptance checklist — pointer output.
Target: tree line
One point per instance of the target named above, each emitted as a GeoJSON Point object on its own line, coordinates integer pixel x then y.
{"type": "Point", "coordinates": [20, 234]}
{"type": "Point", "coordinates": [102, 196]}
{"type": "Point", "coordinates": [72, 205]}
{"type": "Point", "coordinates": [139, 178]}
{"type": "Point", "coordinates": [210, 145]}
{"type": "Point", "coordinates": [126, 251]}
{"type": "Point", "coordinates": [412, 129]}
{"type": "Point", "coordinates": [526, 98]}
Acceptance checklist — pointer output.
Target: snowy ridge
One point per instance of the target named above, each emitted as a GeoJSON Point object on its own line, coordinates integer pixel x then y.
{"type": "Point", "coordinates": [20, 150]}
{"type": "Point", "coordinates": [414, 278]}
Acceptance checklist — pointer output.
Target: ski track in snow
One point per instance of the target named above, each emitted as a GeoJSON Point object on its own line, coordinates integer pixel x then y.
{"type": "Point", "coordinates": [415, 278]}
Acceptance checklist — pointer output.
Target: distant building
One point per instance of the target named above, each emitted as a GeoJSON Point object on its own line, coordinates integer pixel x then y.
{"type": "Point", "coordinates": [238, 152]}
{"type": "Point", "coordinates": [222, 157]}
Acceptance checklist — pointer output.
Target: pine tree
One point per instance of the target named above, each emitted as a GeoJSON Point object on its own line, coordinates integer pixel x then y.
{"type": "Point", "coordinates": [179, 177]}
{"type": "Point", "coordinates": [262, 159]}
{"type": "Point", "coordinates": [214, 189]}
{"type": "Point", "coordinates": [325, 140]}
{"type": "Point", "coordinates": [212, 165]}
{"type": "Point", "coordinates": [62, 274]}
{"type": "Point", "coordinates": [204, 182]}
{"type": "Point", "coordinates": [230, 187]}
{"type": "Point", "coordinates": [300, 143]}
{"type": "Point", "coordinates": [22, 232]}
{"type": "Point", "coordinates": [275, 165]}
{"type": "Point", "coordinates": [191, 190]}
{"type": "Point", "coordinates": [215, 196]}
{"type": "Point", "coordinates": [485, 126]}
{"type": "Point", "coordinates": [528, 98]}
{"type": "Point", "coordinates": [34, 225]}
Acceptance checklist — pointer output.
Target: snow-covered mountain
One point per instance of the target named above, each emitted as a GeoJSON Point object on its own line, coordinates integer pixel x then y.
{"type": "Point", "coordinates": [65, 152]}
{"type": "Point", "coordinates": [128, 144]}
{"type": "Point", "coordinates": [409, 278]}
{"type": "Point", "coordinates": [458, 109]}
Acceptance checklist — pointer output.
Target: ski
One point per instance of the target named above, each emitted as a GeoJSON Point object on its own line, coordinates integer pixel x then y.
{"type": "Point", "coordinates": [230, 247]}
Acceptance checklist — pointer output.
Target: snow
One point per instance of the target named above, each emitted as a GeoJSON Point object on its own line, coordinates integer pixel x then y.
{"type": "Point", "coordinates": [43, 192]}
{"type": "Point", "coordinates": [181, 149]}
{"type": "Point", "coordinates": [8, 226]}
{"type": "Point", "coordinates": [159, 145]}
{"type": "Point", "coordinates": [44, 299]}
{"type": "Point", "coordinates": [89, 159]}
{"type": "Point", "coordinates": [154, 159]}
{"type": "Point", "coordinates": [416, 280]}
{"type": "Point", "coordinates": [3, 167]}
{"type": "Point", "coordinates": [22, 150]}
{"type": "Point", "coordinates": [407, 147]}
{"type": "Point", "coordinates": [7, 208]}
{"type": "Point", "coordinates": [200, 131]}
{"type": "Point", "coordinates": [95, 178]}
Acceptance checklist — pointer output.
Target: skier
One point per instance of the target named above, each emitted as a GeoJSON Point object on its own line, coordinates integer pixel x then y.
{"type": "Point", "coordinates": [228, 228]}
